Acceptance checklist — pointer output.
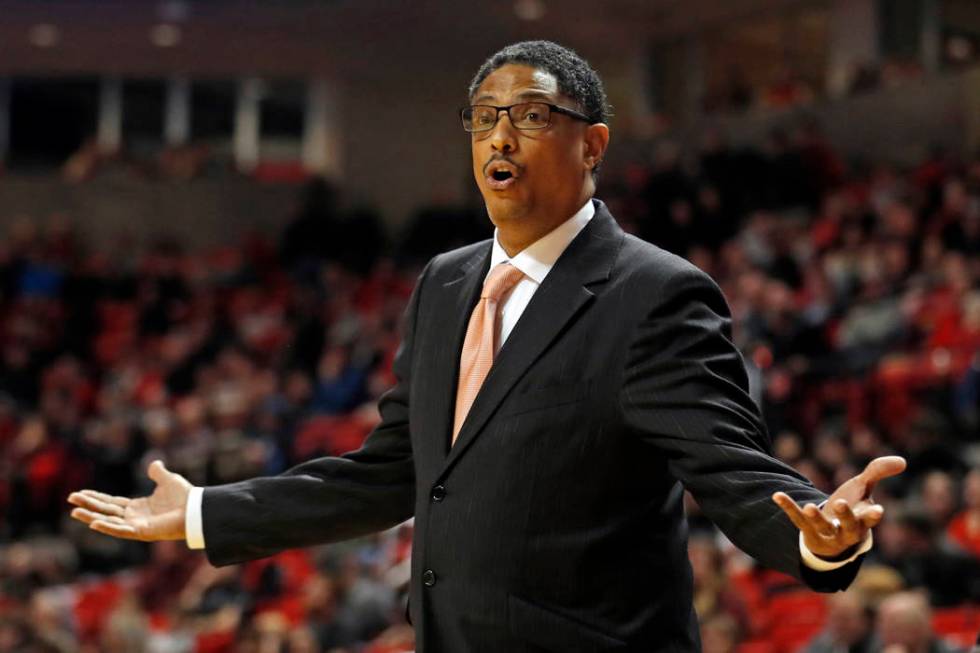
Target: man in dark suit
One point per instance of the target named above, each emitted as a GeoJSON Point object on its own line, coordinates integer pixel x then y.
{"type": "Point", "coordinates": [546, 487]}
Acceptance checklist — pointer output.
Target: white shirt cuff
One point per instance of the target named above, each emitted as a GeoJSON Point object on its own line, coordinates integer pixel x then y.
{"type": "Point", "coordinates": [818, 564]}
{"type": "Point", "coordinates": [193, 522]}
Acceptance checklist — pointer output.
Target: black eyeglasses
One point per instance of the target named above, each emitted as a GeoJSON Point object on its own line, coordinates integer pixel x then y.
{"type": "Point", "coordinates": [524, 116]}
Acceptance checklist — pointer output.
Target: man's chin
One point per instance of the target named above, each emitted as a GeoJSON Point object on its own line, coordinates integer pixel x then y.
{"type": "Point", "coordinates": [504, 210]}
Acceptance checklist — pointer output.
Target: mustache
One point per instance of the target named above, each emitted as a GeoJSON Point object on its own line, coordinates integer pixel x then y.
{"type": "Point", "coordinates": [502, 157]}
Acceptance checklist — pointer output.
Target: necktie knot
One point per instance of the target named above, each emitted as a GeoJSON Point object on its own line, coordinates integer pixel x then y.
{"type": "Point", "coordinates": [501, 279]}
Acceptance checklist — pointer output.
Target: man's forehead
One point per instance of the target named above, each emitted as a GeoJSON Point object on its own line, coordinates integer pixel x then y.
{"type": "Point", "coordinates": [518, 82]}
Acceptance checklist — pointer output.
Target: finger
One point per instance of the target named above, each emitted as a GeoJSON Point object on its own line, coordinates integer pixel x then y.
{"type": "Point", "coordinates": [91, 503]}
{"type": "Point", "coordinates": [849, 525]}
{"type": "Point", "coordinates": [122, 502]}
{"type": "Point", "coordinates": [104, 507]}
{"type": "Point", "coordinates": [819, 521]}
{"type": "Point", "coordinates": [85, 516]}
{"type": "Point", "coordinates": [882, 467]}
{"type": "Point", "coordinates": [870, 516]}
{"type": "Point", "coordinates": [793, 511]}
{"type": "Point", "coordinates": [81, 497]}
{"type": "Point", "coordinates": [123, 531]}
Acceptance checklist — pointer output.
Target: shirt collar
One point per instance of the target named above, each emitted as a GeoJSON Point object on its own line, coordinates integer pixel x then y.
{"type": "Point", "coordinates": [537, 259]}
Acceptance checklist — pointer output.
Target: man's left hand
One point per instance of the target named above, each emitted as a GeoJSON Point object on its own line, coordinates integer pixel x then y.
{"type": "Point", "coordinates": [848, 514]}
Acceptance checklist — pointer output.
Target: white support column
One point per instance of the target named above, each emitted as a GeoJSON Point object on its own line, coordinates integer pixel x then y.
{"type": "Point", "coordinates": [853, 41]}
{"type": "Point", "coordinates": [177, 112]}
{"type": "Point", "coordinates": [4, 120]}
{"type": "Point", "coordinates": [247, 124]}
{"type": "Point", "coordinates": [109, 131]}
{"type": "Point", "coordinates": [321, 129]}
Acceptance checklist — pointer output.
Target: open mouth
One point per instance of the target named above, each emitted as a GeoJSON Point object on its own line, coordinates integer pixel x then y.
{"type": "Point", "coordinates": [500, 179]}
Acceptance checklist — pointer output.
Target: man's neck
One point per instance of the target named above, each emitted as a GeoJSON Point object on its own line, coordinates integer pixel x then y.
{"type": "Point", "coordinates": [515, 243]}
{"type": "Point", "coordinates": [518, 237]}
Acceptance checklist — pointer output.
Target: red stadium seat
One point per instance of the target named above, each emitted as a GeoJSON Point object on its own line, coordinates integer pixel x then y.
{"type": "Point", "coordinates": [794, 618]}
{"type": "Point", "coordinates": [959, 624]}
{"type": "Point", "coordinates": [215, 642]}
{"type": "Point", "coordinates": [93, 606]}
{"type": "Point", "coordinates": [756, 646]}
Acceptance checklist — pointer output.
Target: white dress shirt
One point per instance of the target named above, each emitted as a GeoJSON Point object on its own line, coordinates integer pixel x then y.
{"type": "Point", "coordinates": [535, 261]}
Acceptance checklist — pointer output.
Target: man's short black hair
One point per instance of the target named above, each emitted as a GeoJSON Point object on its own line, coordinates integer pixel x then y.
{"type": "Point", "coordinates": [575, 76]}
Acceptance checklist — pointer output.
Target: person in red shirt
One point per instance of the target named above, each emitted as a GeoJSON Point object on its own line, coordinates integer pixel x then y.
{"type": "Point", "coordinates": [964, 529]}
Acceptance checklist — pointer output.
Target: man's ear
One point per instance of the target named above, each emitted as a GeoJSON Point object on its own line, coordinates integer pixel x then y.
{"type": "Point", "coordinates": [594, 144]}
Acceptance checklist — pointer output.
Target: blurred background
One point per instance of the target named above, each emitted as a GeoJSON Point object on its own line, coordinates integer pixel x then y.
{"type": "Point", "coordinates": [212, 213]}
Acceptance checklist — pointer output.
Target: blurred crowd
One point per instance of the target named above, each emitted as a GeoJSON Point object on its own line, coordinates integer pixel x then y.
{"type": "Point", "coordinates": [854, 293]}
{"type": "Point", "coordinates": [788, 87]}
{"type": "Point", "coordinates": [855, 299]}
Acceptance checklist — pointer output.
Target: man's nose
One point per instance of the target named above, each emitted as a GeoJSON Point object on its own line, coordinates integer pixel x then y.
{"type": "Point", "coordinates": [503, 138]}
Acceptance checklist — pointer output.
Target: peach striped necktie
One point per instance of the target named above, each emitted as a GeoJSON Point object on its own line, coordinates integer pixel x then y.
{"type": "Point", "coordinates": [479, 345]}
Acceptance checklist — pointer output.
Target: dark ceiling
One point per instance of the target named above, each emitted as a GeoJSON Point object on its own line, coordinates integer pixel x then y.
{"type": "Point", "coordinates": [336, 37]}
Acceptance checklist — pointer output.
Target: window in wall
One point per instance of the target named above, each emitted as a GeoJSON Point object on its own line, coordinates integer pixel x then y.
{"type": "Point", "coordinates": [143, 109]}
{"type": "Point", "coordinates": [213, 114]}
{"type": "Point", "coordinates": [900, 29]}
{"type": "Point", "coordinates": [213, 109]}
{"type": "Point", "coordinates": [282, 109]}
{"type": "Point", "coordinates": [777, 59]}
{"type": "Point", "coordinates": [50, 119]}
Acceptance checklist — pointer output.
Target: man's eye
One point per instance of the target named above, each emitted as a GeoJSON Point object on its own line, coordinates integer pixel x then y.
{"type": "Point", "coordinates": [534, 118]}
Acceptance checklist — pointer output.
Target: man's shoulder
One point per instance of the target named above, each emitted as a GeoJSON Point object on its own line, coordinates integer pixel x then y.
{"type": "Point", "coordinates": [649, 264]}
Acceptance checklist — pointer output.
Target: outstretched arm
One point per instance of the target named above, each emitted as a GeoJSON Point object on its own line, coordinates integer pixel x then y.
{"type": "Point", "coordinates": [685, 391]}
{"type": "Point", "coordinates": [323, 500]}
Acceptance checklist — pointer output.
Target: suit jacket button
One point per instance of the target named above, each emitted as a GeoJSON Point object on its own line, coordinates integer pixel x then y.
{"type": "Point", "coordinates": [438, 493]}
{"type": "Point", "coordinates": [428, 578]}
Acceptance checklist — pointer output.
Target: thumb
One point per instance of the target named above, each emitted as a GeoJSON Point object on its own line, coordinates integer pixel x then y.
{"type": "Point", "coordinates": [883, 467]}
{"type": "Point", "coordinates": [158, 472]}
{"type": "Point", "coordinates": [880, 468]}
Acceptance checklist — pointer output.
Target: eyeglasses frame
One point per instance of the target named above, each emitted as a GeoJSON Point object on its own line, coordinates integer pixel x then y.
{"type": "Point", "coordinates": [554, 108]}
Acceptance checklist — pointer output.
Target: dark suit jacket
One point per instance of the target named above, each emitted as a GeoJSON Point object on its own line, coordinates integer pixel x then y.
{"type": "Point", "coordinates": [555, 523]}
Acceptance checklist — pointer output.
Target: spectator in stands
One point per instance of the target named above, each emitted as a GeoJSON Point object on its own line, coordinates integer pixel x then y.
{"type": "Point", "coordinates": [964, 528]}
{"type": "Point", "coordinates": [939, 497]}
{"type": "Point", "coordinates": [313, 234]}
{"type": "Point", "coordinates": [849, 626]}
{"type": "Point", "coordinates": [909, 544]}
{"type": "Point", "coordinates": [713, 595]}
{"type": "Point", "coordinates": [719, 634]}
{"type": "Point", "coordinates": [904, 626]}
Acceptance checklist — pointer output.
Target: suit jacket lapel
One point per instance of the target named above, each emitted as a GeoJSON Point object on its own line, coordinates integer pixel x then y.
{"type": "Point", "coordinates": [444, 342]}
{"type": "Point", "coordinates": [561, 298]}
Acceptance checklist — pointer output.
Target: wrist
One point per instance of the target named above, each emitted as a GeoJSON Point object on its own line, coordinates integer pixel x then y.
{"type": "Point", "coordinates": [840, 557]}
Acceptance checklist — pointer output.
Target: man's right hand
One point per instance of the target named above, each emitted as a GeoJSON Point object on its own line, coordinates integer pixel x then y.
{"type": "Point", "coordinates": [159, 516]}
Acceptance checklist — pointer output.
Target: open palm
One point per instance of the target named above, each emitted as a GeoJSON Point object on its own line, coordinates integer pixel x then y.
{"type": "Point", "coordinates": [159, 516]}
{"type": "Point", "coordinates": [849, 513]}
